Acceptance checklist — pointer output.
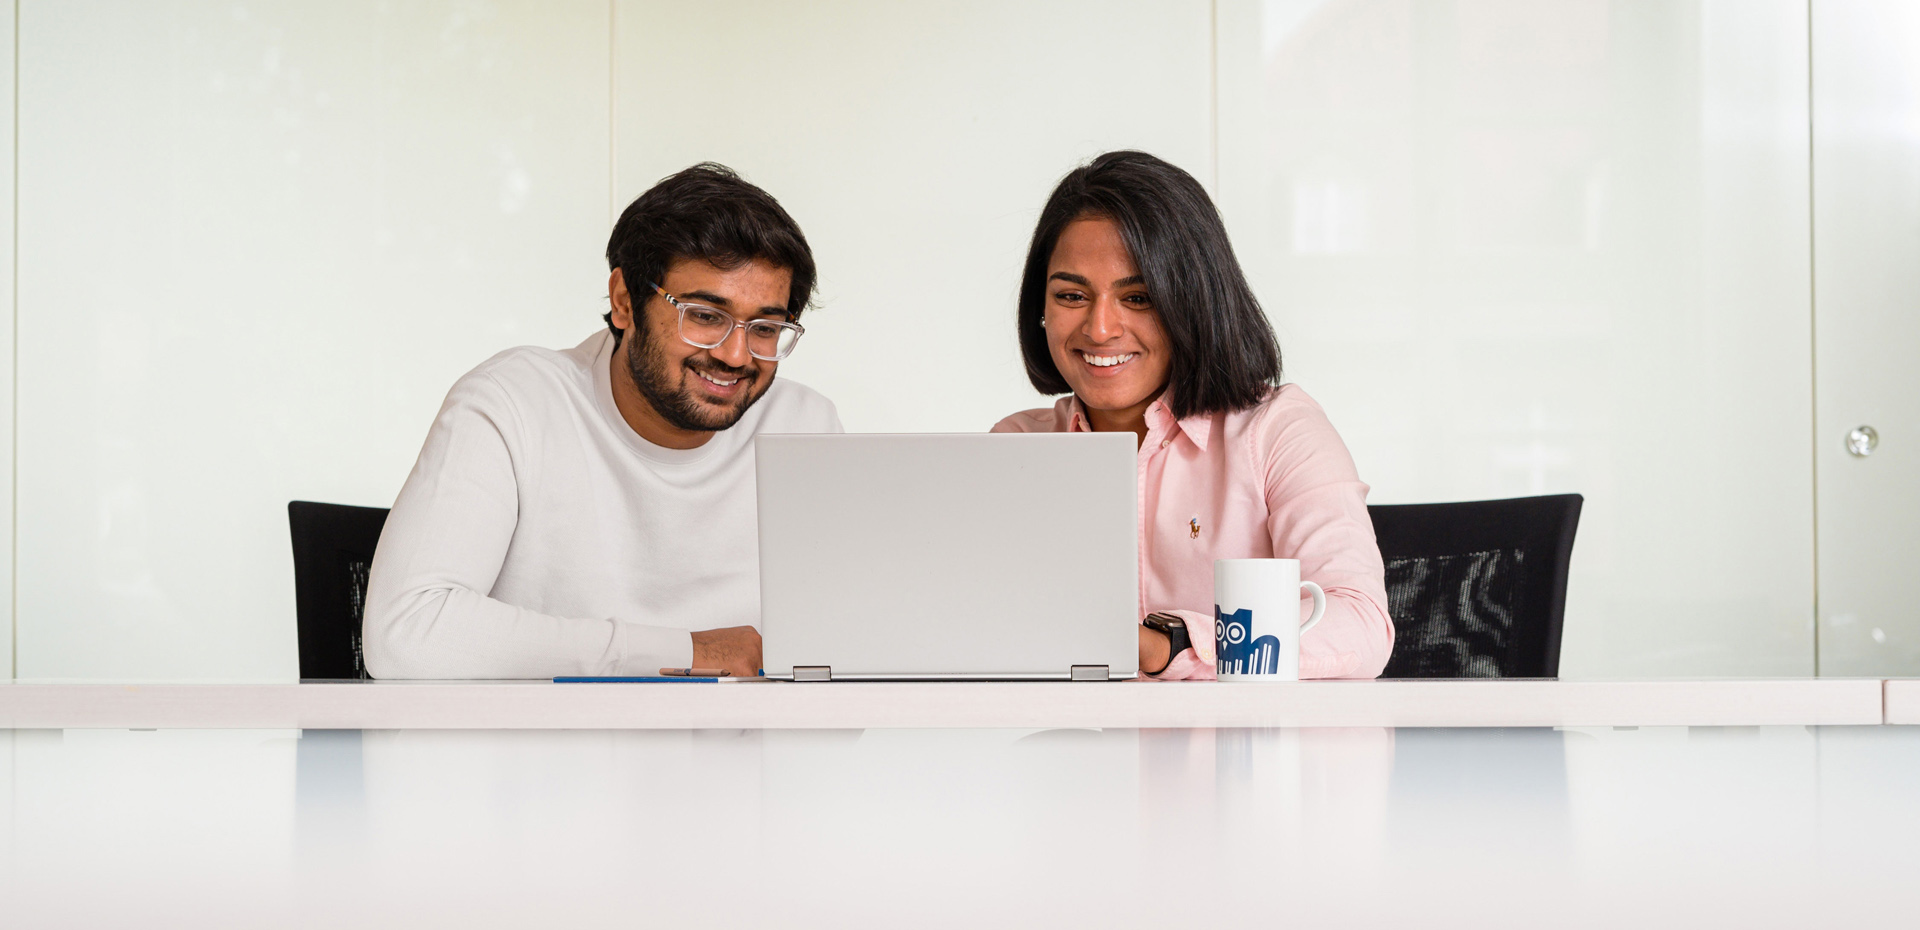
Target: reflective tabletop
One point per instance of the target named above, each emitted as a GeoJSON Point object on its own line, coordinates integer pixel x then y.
{"type": "Point", "coordinates": [1668, 826]}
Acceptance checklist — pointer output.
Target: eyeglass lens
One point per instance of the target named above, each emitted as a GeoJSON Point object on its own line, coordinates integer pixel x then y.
{"type": "Point", "coordinates": [707, 328]}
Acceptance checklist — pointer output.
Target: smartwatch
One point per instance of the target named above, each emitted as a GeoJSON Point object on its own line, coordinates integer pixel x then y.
{"type": "Point", "coordinates": [1176, 631]}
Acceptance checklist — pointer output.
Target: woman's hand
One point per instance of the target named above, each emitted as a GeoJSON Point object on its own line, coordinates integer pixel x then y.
{"type": "Point", "coordinates": [1154, 649]}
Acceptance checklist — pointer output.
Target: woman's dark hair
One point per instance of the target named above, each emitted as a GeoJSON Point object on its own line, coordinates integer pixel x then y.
{"type": "Point", "coordinates": [1225, 356]}
{"type": "Point", "coordinates": [707, 212]}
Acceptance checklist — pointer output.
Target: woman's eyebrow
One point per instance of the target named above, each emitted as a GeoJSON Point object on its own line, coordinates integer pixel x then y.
{"type": "Point", "coordinates": [1129, 281]}
{"type": "Point", "coordinates": [1070, 278]}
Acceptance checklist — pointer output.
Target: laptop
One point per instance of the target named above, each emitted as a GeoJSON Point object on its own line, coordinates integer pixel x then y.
{"type": "Point", "coordinates": [932, 556]}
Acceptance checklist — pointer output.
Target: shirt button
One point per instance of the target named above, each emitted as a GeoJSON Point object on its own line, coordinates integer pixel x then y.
{"type": "Point", "coordinates": [1165, 443]}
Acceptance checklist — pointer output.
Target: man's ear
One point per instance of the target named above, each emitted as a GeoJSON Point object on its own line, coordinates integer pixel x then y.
{"type": "Point", "coordinates": [620, 302]}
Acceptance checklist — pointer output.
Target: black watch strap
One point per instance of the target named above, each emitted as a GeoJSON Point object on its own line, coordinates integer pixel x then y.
{"type": "Point", "coordinates": [1176, 632]}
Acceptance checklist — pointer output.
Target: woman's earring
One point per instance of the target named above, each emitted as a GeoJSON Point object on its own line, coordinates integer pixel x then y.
{"type": "Point", "coordinates": [1043, 322]}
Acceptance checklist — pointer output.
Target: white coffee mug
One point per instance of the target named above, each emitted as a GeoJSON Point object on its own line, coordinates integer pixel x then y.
{"type": "Point", "coordinates": [1256, 618]}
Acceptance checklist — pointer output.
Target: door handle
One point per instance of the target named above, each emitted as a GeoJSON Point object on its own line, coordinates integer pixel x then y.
{"type": "Point", "coordinates": [1862, 441]}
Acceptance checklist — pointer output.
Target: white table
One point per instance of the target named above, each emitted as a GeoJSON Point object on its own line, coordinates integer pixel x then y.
{"type": "Point", "coordinates": [482, 804]}
{"type": "Point", "coordinates": [1356, 826]}
{"type": "Point", "coordinates": [1903, 700]}
{"type": "Point", "coordinates": [544, 705]}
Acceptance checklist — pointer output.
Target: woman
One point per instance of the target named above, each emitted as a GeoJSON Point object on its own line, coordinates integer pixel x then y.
{"type": "Point", "coordinates": [1133, 302]}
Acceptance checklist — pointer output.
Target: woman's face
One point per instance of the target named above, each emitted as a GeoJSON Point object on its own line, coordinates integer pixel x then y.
{"type": "Point", "coordinates": [1102, 328]}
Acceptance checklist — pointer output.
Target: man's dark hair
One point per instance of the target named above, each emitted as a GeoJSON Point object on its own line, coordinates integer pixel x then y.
{"type": "Point", "coordinates": [1224, 354]}
{"type": "Point", "coordinates": [707, 212]}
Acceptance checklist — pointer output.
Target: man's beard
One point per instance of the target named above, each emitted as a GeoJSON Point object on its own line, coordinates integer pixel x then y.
{"type": "Point", "coordinates": [653, 374]}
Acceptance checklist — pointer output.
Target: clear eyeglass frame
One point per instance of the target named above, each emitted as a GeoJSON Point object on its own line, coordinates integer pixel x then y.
{"type": "Point", "coordinates": [782, 335]}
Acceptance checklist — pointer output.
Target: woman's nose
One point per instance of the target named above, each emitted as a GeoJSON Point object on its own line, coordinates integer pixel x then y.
{"type": "Point", "coordinates": [1103, 322]}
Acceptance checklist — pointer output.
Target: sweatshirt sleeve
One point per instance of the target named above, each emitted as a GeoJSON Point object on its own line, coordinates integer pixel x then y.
{"type": "Point", "coordinates": [1317, 513]}
{"type": "Point", "coordinates": [428, 610]}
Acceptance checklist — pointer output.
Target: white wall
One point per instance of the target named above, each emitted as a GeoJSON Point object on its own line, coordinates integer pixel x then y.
{"type": "Point", "coordinates": [263, 239]}
{"type": "Point", "coordinates": [1554, 246]}
{"type": "Point", "coordinates": [1514, 247]}
{"type": "Point", "coordinates": [1866, 160]}
{"type": "Point", "coordinates": [915, 144]}
{"type": "Point", "coordinates": [258, 244]}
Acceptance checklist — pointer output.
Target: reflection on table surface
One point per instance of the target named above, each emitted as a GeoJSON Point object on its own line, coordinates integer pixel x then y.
{"type": "Point", "coordinates": [1335, 827]}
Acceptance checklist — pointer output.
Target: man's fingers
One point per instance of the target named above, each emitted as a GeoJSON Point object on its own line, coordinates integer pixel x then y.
{"type": "Point", "coordinates": [736, 649]}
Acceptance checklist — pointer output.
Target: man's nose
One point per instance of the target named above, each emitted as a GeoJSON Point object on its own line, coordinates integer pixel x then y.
{"type": "Point", "coordinates": [1103, 321]}
{"type": "Point", "coordinates": [732, 351]}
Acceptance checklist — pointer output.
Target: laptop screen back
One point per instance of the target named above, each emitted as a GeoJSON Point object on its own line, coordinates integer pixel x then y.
{"type": "Point", "coordinates": [948, 555]}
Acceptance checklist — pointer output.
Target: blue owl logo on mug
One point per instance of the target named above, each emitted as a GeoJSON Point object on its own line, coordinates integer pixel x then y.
{"type": "Point", "coordinates": [1239, 652]}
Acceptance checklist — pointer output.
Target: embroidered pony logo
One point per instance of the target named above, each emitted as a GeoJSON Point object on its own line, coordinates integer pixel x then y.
{"type": "Point", "coordinates": [1194, 525]}
{"type": "Point", "coordinates": [1240, 653]}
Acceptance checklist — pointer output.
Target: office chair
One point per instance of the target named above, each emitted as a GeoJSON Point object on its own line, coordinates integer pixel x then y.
{"type": "Point", "coordinates": [332, 551]}
{"type": "Point", "coordinates": [1477, 589]}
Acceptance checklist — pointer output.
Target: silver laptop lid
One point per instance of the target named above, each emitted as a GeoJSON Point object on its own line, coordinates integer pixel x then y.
{"type": "Point", "coordinates": [948, 555]}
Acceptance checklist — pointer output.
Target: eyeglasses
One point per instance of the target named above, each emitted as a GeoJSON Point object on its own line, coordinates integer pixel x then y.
{"type": "Point", "coordinates": [706, 327]}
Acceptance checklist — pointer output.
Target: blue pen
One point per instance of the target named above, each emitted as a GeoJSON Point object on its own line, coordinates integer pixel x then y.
{"type": "Point", "coordinates": [613, 679]}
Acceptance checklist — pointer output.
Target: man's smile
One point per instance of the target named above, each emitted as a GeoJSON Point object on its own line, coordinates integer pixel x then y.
{"type": "Point", "coordinates": [720, 385]}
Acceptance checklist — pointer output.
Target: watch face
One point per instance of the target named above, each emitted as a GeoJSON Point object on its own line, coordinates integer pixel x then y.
{"type": "Point", "coordinates": [1164, 622]}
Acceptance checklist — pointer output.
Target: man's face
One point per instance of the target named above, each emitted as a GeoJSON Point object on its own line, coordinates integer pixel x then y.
{"type": "Point", "coordinates": [691, 388]}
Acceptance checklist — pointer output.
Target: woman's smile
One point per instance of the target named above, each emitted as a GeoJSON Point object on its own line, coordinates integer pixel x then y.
{"type": "Point", "coordinates": [1106, 364]}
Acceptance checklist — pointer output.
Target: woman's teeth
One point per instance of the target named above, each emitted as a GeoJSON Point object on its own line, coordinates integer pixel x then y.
{"type": "Point", "coordinates": [716, 380]}
{"type": "Point", "coordinates": [1108, 361]}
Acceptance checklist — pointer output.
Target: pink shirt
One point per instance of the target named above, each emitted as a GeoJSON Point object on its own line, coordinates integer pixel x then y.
{"type": "Point", "coordinates": [1273, 481]}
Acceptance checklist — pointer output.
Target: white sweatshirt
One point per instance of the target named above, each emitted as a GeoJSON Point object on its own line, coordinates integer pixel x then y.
{"type": "Point", "coordinates": [539, 535]}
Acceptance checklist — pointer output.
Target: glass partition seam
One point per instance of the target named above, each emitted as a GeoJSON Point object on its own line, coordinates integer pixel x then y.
{"type": "Point", "coordinates": [13, 377]}
{"type": "Point", "coordinates": [1213, 92]}
{"type": "Point", "coordinates": [613, 112]}
{"type": "Point", "coordinates": [1813, 336]}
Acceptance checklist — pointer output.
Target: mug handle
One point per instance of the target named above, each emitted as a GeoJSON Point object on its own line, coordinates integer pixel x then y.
{"type": "Point", "coordinates": [1319, 605]}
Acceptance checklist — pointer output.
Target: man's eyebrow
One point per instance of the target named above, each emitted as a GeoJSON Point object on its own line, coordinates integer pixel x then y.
{"type": "Point", "coordinates": [709, 297]}
{"type": "Point", "coordinates": [705, 297]}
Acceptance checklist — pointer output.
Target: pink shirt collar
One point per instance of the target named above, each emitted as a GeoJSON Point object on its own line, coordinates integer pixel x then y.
{"type": "Point", "coordinates": [1159, 420]}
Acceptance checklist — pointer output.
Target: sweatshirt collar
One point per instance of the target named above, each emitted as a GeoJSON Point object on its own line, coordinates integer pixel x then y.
{"type": "Point", "coordinates": [603, 395]}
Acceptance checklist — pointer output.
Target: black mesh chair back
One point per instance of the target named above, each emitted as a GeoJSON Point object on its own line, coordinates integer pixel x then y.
{"type": "Point", "coordinates": [332, 551]}
{"type": "Point", "coordinates": [1477, 589]}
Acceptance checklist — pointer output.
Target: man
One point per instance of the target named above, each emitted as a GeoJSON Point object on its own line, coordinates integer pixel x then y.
{"type": "Point", "coordinates": [580, 512]}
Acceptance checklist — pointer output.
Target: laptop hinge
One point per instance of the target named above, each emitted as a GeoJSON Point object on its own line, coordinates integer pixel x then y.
{"type": "Point", "coordinates": [813, 673]}
{"type": "Point", "coordinates": [1081, 673]}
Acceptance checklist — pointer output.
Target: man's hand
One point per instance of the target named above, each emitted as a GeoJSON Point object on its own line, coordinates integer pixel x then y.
{"type": "Point", "coordinates": [734, 648]}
